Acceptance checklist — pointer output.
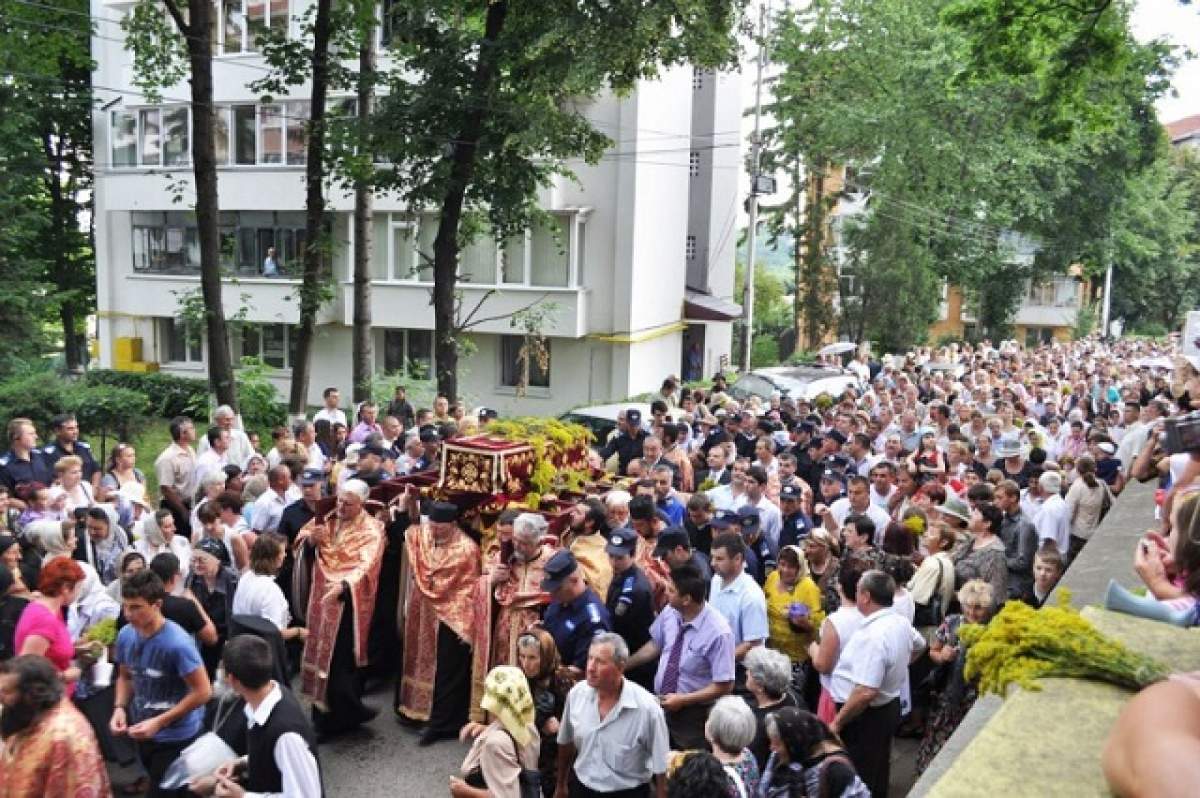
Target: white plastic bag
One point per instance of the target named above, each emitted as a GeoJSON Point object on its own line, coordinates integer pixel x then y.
{"type": "Point", "coordinates": [207, 753]}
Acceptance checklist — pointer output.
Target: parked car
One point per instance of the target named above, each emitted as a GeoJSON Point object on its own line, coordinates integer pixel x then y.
{"type": "Point", "coordinates": [796, 381]}
{"type": "Point", "coordinates": [602, 419]}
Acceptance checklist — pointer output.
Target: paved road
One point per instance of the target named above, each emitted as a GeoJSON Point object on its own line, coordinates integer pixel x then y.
{"type": "Point", "coordinates": [383, 759]}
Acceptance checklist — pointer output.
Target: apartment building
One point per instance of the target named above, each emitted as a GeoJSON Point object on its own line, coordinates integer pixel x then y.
{"type": "Point", "coordinates": [637, 263]}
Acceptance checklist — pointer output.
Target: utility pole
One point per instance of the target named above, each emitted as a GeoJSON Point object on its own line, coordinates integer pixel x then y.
{"type": "Point", "coordinates": [1107, 307]}
{"type": "Point", "coordinates": [752, 203]}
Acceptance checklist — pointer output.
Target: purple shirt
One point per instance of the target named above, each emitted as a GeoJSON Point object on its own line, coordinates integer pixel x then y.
{"type": "Point", "coordinates": [708, 648]}
{"type": "Point", "coordinates": [362, 430]}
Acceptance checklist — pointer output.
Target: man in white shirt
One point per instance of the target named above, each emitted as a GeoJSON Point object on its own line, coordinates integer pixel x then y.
{"type": "Point", "coordinates": [239, 449]}
{"type": "Point", "coordinates": [214, 456]}
{"type": "Point", "coordinates": [732, 496]}
{"type": "Point", "coordinates": [883, 484]}
{"type": "Point", "coordinates": [857, 501]}
{"type": "Point", "coordinates": [331, 412]}
{"type": "Point", "coordinates": [868, 679]}
{"type": "Point", "coordinates": [1054, 519]}
{"type": "Point", "coordinates": [756, 496]}
{"type": "Point", "coordinates": [306, 434]}
{"type": "Point", "coordinates": [268, 508]}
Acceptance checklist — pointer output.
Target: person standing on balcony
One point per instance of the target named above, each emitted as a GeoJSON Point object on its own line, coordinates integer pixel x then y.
{"type": "Point", "coordinates": [270, 264]}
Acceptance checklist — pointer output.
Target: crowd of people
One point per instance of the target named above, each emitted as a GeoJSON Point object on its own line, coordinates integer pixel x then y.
{"type": "Point", "coordinates": [754, 596]}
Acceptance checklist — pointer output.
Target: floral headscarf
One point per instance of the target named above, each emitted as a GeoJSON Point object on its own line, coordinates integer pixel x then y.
{"type": "Point", "coordinates": [506, 695]}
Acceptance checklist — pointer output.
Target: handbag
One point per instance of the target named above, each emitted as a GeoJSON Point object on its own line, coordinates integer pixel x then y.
{"type": "Point", "coordinates": [1106, 502]}
{"type": "Point", "coordinates": [529, 780]}
{"type": "Point", "coordinates": [932, 613]}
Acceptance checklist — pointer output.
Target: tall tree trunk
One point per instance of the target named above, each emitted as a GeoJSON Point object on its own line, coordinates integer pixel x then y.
{"type": "Point", "coordinates": [364, 354]}
{"type": "Point", "coordinates": [462, 167]}
{"type": "Point", "coordinates": [316, 244]}
{"type": "Point", "coordinates": [197, 29]}
{"type": "Point", "coordinates": [814, 282]}
{"type": "Point", "coordinates": [60, 217]}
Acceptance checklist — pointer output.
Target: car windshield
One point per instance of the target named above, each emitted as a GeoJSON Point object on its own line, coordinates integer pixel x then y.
{"type": "Point", "coordinates": [600, 427]}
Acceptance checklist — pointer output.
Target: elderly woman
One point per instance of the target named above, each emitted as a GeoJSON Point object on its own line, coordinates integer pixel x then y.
{"type": "Point", "coordinates": [106, 541]}
{"type": "Point", "coordinates": [935, 577]}
{"type": "Point", "coordinates": [730, 728]}
{"type": "Point", "coordinates": [794, 612]}
{"type": "Point", "coordinates": [822, 551]}
{"type": "Point", "coordinates": [538, 657]}
{"type": "Point", "coordinates": [211, 487]}
{"type": "Point", "coordinates": [768, 679]}
{"type": "Point", "coordinates": [984, 557]}
{"type": "Point", "coordinates": [506, 747]}
{"type": "Point", "coordinates": [69, 473]}
{"type": "Point", "coordinates": [158, 536]}
{"type": "Point", "coordinates": [213, 582]}
{"type": "Point", "coordinates": [807, 759]}
{"type": "Point", "coordinates": [958, 696]}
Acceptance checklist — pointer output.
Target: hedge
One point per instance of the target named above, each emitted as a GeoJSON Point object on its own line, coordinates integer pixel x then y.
{"type": "Point", "coordinates": [169, 395]}
{"type": "Point", "coordinates": [101, 409]}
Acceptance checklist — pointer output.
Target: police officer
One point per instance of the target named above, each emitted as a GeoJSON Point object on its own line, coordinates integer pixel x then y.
{"type": "Point", "coordinates": [67, 442]}
{"type": "Point", "coordinates": [576, 614]}
{"type": "Point", "coordinates": [675, 548]}
{"type": "Point", "coordinates": [627, 443]}
{"type": "Point", "coordinates": [630, 600]}
{"type": "Point", "coordinates": [759, 560]}
{"type": "Point", "coordinates": [24, 463]}
{"type": "Point", "coordinates": [796, 523]}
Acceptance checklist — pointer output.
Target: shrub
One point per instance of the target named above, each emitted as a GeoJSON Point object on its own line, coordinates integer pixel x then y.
{"type": "Point", "coordinates": [101, 409]}
{"type": "Point", "coordinates": [38, 397]}
{"type": "Point", "coordinates": [764, 351]}
{"type": "Point", "coordinates": [169, 395]}
{"type": "Point", "coordinates": [258, 401]}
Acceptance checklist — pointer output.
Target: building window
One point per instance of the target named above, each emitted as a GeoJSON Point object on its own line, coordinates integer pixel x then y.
{"type": "Point", "coordinates": [148, 138]}
{"type": "Point", "coordinates": [694, 164]}
{"type": "Point", "coordinates": [169, 242]}
{"type": "Point", "coordinates": [409, 352]}
{"type": "Point", "coordinates": [124, 138]}
{"type": "Point", "coordinates": [175, 136]}
{"type": "Point", "coordinates": [690, 248]}
{"type": "Point", "coordinates": [181, 341]}
{"type": "Point", "coordinates": [297, 133]}
{"type": "Point", "coordinates": [275, 344]}
{"type": "Point", "coordinates": [244, 21]}
{"type": "Point", "coordinates": [513, 365]}
{"type": "Point", "coordinates": [697, 79]}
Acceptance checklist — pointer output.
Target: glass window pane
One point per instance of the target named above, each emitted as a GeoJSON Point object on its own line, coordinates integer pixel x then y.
{"type": "Point", "coordinates": [221, 135]}
{"type": "Point", "coordinates": [512, 264]}
{"type": "Point", "coordinates": [150, 137]}
{"type": "Point", "coordinates": [195, 344]}
{"type": "Point", "coordinates": [420, 353]}
{"type": "Point", "coordinates": [244, 133]}
{"type": "Point", "coordinates": [247, 254]}
{"type": "Point", "coordinates": [175, 335]}
{"type": "Point", "coordinates": [393, 350]}
{"type": "Point", "coordinates": [191, 247]}
{"type": "Point", "coordinates": [274, 347]}
{"type": "Point", "coordinates": [266, 240]}
{"type": "Point", "coordinates": [425, 237]}
{"type": "Point", "coordinates": [251, 341]}
{"type": "Point", "coordinates": [235, 25]}
{"type": "Point", "coordinates": [297, 117]}
{"type": "Point", "coordinates": [256, 21]}
{"type": "Point", "coordinates": [477, 263]}
{"type": "Point", "coordinates": [279, 17]}
{"type": "Point", "coordinates": [550, 264]}
{"type": "Point", "coordinates": [175, 136]}
{"type": "Point", "coordinates": [511, 366]}
{"type": "Point", "coordinates": [289, 331]}
{"type": "Point", "coordinates": [124, 139]}
{"type": "Point", "coordinates": [270, 123]}
{"type": "Point", "coordinates": [379, 248]}
{"type": "Point", "coordinates": [403, 252]}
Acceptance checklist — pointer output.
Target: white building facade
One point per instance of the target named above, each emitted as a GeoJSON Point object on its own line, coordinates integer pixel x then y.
{"type": "Point", "coordinates": [638, 267]}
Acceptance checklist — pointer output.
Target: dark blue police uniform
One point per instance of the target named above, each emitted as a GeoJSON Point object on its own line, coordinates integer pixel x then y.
{"type": "Point", "coordinates": [14, 471]}
{"type": "Point", "coordinates": [574, 625]}
{"type": "Point", "coordinates": [630, 604]}
{"type": "Point", "coordinates": [796, 527]}
{"type": "Point", "coordinates": [81, 449]}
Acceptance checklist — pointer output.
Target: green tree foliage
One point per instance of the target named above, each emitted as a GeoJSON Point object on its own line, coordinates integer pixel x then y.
{"type": "Point", "coordinates": [951, 163]}
{"type": "Point", "coordinates": [772, 316]}
{"type": "Point", "coordinates": [46, 259]}
{"type": "Point", "coordinates": [483, 108]}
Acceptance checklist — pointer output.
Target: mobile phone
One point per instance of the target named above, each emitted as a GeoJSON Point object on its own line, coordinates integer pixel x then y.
{"type": "Point", "coordinates": [1145, 544]}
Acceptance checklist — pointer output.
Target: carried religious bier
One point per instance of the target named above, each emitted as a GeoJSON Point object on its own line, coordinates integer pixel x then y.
{"type": "Point", "coordinates": [483, 464]}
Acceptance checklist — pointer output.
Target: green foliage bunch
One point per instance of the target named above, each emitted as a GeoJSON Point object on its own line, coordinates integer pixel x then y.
{"type": "Point", "coordinates": [101, 409]}
{"type": "Point", "coordinates": [258, 400]}
{"type": "Point", "coordinates": [168, 394]}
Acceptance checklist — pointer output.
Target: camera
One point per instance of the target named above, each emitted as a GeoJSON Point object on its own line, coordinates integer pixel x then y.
{"type": "Point", "coordinates": [1183, 433]}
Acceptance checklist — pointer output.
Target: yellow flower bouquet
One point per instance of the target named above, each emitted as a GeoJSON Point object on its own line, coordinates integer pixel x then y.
{"type": "Point", "coordinates": [1021, 645]}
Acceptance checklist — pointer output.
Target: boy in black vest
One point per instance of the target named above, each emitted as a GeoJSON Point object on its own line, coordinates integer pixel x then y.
{"type": "Point", "coordinates": [281, 749]}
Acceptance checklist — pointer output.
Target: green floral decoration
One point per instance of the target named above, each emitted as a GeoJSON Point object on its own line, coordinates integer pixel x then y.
{"type": "Point", "coordinates": [548, 437]}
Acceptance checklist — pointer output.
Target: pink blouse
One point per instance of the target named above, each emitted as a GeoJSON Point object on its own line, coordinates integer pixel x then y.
{"type": "Point", "coordinates": [37, 620]}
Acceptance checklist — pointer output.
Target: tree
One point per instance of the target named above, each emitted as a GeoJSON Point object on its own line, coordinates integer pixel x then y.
{"type": "Point", "coordinates": [165, 51]}
{"type": "Point", "coordinates": [46, 152]}
{"type": "Point", "coordinates": [364, 355]}
{"type": "Point", "coordinates": [950, 184]}
{"type": "Point", "coordinates": [482, 110]}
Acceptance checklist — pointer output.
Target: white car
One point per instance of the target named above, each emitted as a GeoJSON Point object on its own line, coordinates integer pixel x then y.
{"type": "Point", "coordinates": [602, 419]}
{"type": "Point", "coordinates": [798, 382]}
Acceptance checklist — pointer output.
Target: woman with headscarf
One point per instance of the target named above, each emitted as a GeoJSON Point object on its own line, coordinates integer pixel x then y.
{"type": "Point", "coordinates": [213, 583]}
{"type": "Point", "coordinates": [807, 759]}
{"type": "Point", "coordinates": [159, 535]}
{"type": "Point", "coordinates": [794, 612]}
{"type": "Point", "coordinates": [12, 604]}
{"type": "Point", "coordinates": [504, 748]}
{"type": "Point", "coordinates": [105, 542]}
{"type": "Point", "coordinates": [23, 575]}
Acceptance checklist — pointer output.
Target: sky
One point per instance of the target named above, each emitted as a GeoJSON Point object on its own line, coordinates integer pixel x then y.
{"type": "Point", "coordinates": [1180, 25]}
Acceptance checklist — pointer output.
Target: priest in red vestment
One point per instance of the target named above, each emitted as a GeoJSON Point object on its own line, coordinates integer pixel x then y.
{"type": "Point", "coordinates": [347, 550]}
